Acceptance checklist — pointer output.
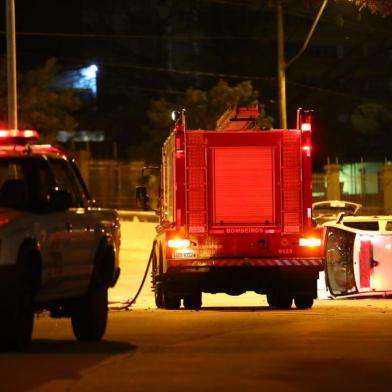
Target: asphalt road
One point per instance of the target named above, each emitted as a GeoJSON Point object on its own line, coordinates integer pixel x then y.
{"type": "Point", "coordinates": [232, 344]}
{"type": "Point", "coordinates": [336, 346]}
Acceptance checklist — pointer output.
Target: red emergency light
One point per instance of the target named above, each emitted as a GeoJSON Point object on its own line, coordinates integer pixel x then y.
{"type": "Point", "coordinates": [17, 136]}
{"type": "Point", "coordinates": [305, 119]}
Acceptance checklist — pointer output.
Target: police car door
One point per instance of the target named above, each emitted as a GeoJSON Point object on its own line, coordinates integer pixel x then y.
{"type": "Point", "coordinates": [79, 255]}
{"type": "Point", "coordinates": [47, 226]}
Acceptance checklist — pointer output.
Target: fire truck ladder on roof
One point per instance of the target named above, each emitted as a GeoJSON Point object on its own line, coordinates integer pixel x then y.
{"type": "Point", "coordinates": [238, 118]}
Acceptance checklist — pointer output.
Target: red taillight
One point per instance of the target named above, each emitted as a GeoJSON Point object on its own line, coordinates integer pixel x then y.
{"type": "Point", "coordinates": [306, 127]}
{"type": "Point", "coordinates": [305, 119]}
{"type": "Point", "coordinates": [307, 150]}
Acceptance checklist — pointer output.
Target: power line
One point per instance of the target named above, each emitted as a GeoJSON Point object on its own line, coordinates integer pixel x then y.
{"type": "Point", "coordinates": [191, 72]}
{"type": "Point", "coordinates": [289, 11]}
{"type": "Point", "coordinates": [180, 37]}
{"type": "Point", "coordinates": [218, 75]}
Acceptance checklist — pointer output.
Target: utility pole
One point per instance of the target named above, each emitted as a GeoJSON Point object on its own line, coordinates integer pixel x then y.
{"type": "Point", "coordinates": [282, 64]}
{"type": "Point", "coordinates": [11, 66]}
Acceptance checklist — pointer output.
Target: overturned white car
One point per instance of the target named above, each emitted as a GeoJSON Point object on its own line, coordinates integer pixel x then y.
{"type": "Point", "coordinates": [359, 256]}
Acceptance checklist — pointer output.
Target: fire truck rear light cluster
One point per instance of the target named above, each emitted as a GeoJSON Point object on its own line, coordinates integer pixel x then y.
{"type": "Point", "coordinates": [310, 242]}
{"type": "Point", "coordinates": [307, 149]}
{"type": "Point", "coordinates": [178, 243]}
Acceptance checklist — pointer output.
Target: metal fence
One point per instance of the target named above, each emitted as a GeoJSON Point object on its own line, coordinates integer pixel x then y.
{"type": "Point", "coordinates": [112, 183]}
{"type": "Point", "coordinates": [360, 182]}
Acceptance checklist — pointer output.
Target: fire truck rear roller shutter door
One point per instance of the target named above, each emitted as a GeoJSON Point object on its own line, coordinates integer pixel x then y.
{"type": "Point", "coordinates": [243, 185]}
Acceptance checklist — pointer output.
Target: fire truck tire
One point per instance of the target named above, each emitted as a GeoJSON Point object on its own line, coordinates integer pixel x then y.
{"type": "Point", "coordinates": [158, 296]}
{"type": "Point", "coordinates": [193, 301]}
{"type": "Point", "coordinates": [156, 272]}
{"type": "Point", "coordinates": [305, 302]}
{"type": "Point", "coordinates": [279, 301]}
{"type": "Point", "coordinates": [170, 300]}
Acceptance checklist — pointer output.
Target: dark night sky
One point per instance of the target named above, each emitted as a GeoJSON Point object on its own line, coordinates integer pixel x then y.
{"type": "Point", "coordinates": [129, 78]}
{"type": "Point", "coordinates": [43, 16]}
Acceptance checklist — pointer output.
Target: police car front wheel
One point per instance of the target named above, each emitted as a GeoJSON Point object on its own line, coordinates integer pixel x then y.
{"type": "Point", "coordinates": [90, 314]}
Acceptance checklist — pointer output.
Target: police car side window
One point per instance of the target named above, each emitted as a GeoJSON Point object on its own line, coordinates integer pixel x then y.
{"type": "Point", "coordinates": [13, 186]}
{"type": "Point", "coordinates": [65, 180]}
{"type": "Point", "coordinates": [41, 183]}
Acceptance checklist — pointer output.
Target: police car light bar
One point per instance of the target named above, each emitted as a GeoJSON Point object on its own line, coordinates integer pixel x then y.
{"type": "Point", "coordinates": [16, 135]}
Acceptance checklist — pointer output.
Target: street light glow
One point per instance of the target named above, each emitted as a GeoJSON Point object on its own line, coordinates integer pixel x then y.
{"type": "Point", "coordinates": [91, 71]}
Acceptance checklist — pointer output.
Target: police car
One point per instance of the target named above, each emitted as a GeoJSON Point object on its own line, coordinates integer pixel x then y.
{"type": "Point", "coordinates": [58, 252]}
{"type": "Point", "coordinates": [359, 256]}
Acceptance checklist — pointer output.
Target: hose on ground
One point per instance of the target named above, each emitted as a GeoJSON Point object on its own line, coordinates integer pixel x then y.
{"type": "Point", "coordinates": [125, 305]}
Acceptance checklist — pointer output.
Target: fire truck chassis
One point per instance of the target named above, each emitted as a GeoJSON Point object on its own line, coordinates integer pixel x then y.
{"type": "Point", "coordinates": [282, 285]}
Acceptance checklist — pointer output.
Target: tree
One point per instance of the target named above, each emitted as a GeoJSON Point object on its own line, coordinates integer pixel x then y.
{"type": "Point", "coordinates": [381, 7]}
{"type": "Point", "coordinates": [203, 109]}
{"type": "Point", "coordinates": [40, 106]}
{"type": "Point", "coordinates": [372, 124]}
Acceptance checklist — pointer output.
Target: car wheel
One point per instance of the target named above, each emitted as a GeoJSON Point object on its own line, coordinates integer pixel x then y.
{"type": "Point", "coordinates": [17, 318]}
{"type": "Point", "coordinates": [90, 312]}
{"type": "Point", "coordinates": [89, 316]}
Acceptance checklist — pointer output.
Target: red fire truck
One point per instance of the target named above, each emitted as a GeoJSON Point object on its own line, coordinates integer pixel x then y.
{"type": "Point", "coordinates": [235, 213]}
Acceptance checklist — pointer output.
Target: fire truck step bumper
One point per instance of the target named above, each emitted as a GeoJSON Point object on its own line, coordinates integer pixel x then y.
{"type": "Point", "coordinates": [317, 263]}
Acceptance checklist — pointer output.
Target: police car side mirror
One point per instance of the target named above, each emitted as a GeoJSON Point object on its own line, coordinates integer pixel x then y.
{"type": "Point", "coordinates": [60, 199]}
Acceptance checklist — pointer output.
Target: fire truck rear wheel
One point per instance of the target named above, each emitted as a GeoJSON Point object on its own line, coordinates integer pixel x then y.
{"type": "Point", "coordinates": [156, 271]}
{"type": "Point", "coordinates": [279, 301]}
{"type": "Point", "coordinates": [158, 296]}
{"type": "Point", "coordinates": [170, 300]}
{"type": "Point", "coordinates": [305, 302]}
{"type": "Point", "coordinates": [193, 301]}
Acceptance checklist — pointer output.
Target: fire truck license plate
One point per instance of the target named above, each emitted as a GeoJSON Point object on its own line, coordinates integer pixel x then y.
{"type": "Point", "coordinates": [184, 254]}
